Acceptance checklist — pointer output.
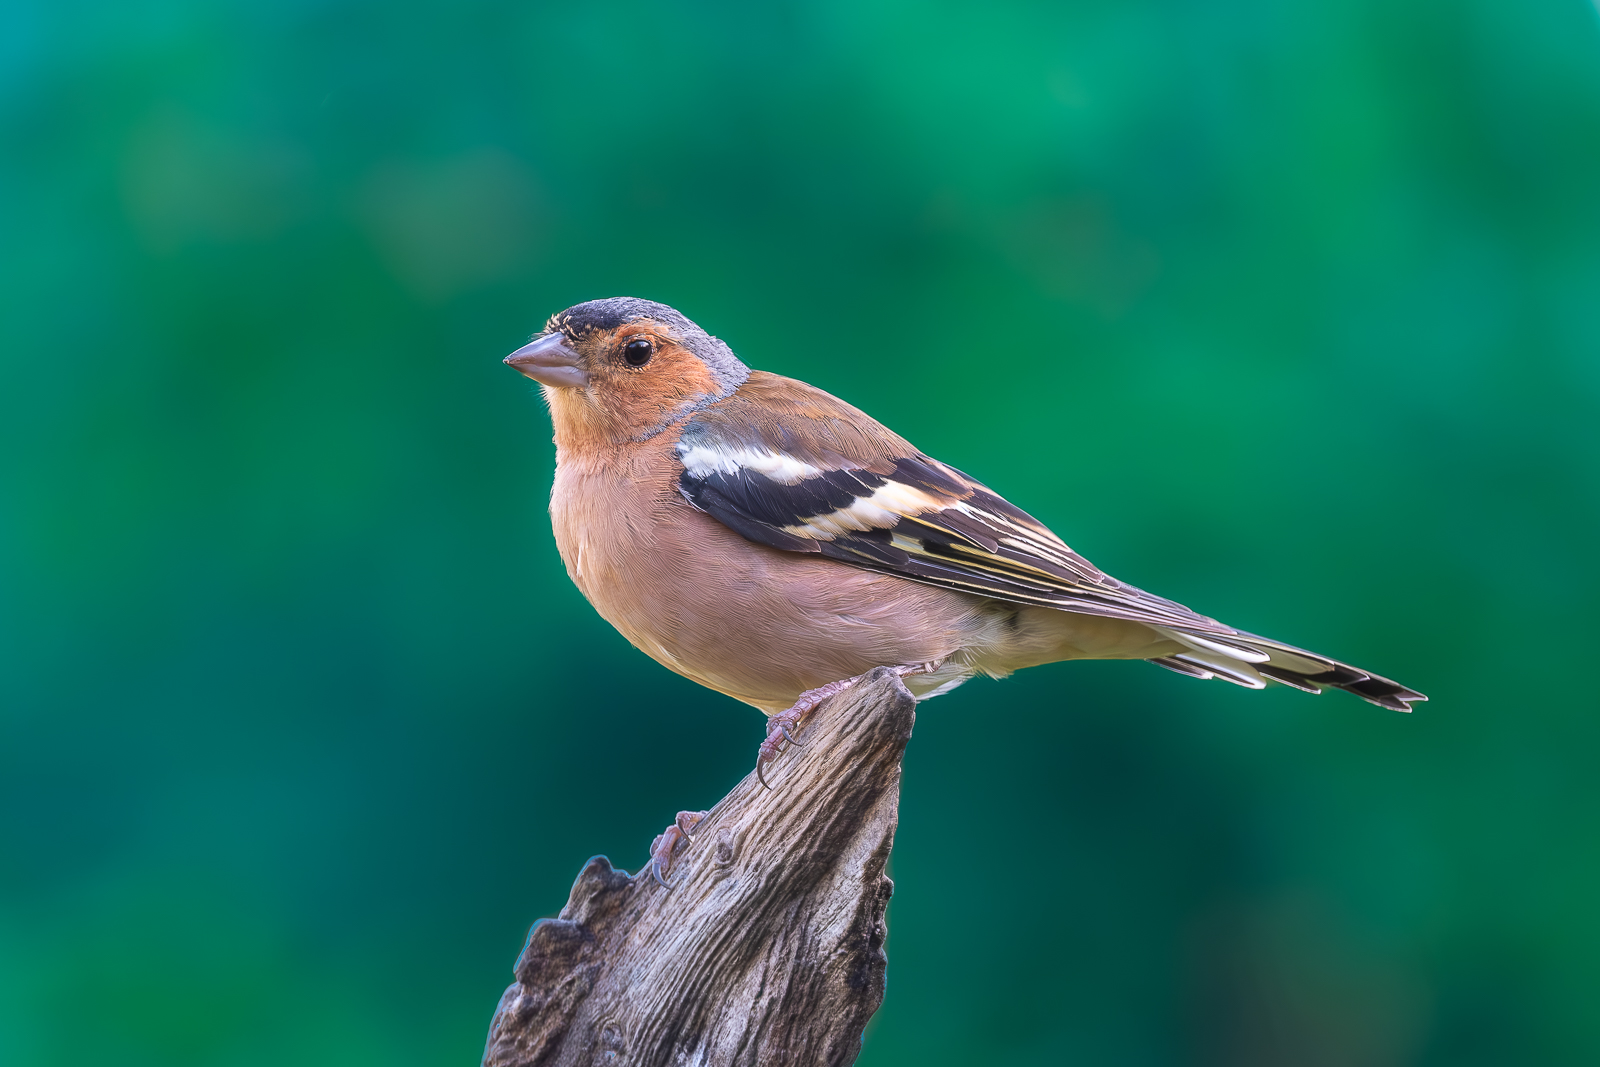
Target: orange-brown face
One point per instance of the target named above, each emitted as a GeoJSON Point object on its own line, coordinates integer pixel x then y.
{"type": "Point", "coordinates": [612, 386]}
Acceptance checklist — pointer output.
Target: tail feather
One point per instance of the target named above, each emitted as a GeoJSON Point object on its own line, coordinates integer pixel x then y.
{"type": "Point", "coordinates": [1220, 666]}
{"type": "Point", "coordinates": [1210, 643]}
{"type": "Point", "coordinates": [1172, 663]}
{"type": "Point", "coordinates": [1289, 678]}
{"type": "Point", "coordinates": [1251, 661]}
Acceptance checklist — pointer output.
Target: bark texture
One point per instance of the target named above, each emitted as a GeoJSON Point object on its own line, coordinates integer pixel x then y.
{"type": "Point", "coordinates": [769, 948]}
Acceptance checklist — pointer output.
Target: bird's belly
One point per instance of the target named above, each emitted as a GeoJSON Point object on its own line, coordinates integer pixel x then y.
{"type": "Point", "coordinates": [757, 624]}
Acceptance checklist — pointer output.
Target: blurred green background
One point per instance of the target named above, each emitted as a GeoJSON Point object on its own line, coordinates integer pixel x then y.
{"type": "Point", "coordinates": [1288, 309]}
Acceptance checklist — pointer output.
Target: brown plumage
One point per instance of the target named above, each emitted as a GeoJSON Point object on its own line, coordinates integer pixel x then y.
{"type": "Point", "coordinates": [765, 539]}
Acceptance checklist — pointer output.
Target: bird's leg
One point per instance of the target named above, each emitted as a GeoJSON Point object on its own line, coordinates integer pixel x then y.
{"type": "Point", "coordinates": [667, 842]}
{"type": "Point", "coordinates": [781, 728]}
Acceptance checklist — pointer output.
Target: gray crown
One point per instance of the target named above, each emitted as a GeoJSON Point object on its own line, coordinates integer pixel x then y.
{"type": "Point", "coordinates": [608, 314]}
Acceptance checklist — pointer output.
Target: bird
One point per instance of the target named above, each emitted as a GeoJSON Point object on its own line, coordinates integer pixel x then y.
{"type": "Point", "coordinates": [772, 542]}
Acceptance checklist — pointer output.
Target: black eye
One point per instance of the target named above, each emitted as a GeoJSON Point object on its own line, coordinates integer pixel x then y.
{"type": "Point", "coordinates": [638, 353]}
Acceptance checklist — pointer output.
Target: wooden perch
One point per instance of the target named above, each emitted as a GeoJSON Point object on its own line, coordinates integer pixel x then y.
{"type": "Point", "coordinates": [769, 948]}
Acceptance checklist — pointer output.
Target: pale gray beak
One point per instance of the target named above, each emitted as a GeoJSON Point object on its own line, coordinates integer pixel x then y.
{"type": "Point", "coordinates": [548, 361]}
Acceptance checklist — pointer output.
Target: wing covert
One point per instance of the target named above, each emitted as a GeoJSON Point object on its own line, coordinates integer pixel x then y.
{"type": "Point", "coordinates": [789, 466]}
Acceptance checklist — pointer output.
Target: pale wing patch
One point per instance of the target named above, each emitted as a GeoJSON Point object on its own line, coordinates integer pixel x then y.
{"type": "Point", "coordinates": [883, 508]}
{"type": "Point", "coordinates": [703, 460]}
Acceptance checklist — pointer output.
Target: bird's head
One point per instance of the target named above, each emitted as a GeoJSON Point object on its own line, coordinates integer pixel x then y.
{"type": "Point", "coordinates": [623, 369]}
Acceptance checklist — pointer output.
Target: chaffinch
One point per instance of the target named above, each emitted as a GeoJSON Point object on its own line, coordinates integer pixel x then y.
{"type": "Point", "coordinates": [773, 543]}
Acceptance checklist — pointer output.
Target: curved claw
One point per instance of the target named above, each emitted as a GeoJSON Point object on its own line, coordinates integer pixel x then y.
{"type": "Point", "coordinates": [687, 821]}
{"type": "Point", "coordinates": [760, 766]}
{"type": "Point", "coordinates": [655, 872]}
{"type": "Point", "coordinates": [787, 736]}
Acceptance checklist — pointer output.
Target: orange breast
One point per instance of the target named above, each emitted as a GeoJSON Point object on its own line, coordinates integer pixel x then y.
{"type": "Point", "coordinates": [749, 621]}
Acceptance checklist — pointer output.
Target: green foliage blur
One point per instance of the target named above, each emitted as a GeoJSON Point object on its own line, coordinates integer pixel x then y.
{"type": "Point", "coordinates": [1287, 309]}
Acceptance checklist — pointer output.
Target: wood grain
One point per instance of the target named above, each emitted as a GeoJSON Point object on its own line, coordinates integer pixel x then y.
{"type": "Point", "coordinates": [769, 948]}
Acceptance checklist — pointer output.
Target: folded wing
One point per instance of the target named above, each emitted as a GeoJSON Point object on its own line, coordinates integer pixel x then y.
{"type": "Point", "coordinates": [787, 465]}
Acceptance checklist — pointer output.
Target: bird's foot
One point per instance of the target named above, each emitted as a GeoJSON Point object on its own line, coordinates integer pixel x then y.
{"type": "Point", "coordinates": [667, 842]}
{"type": "Point", "coordinates": [782, 727]}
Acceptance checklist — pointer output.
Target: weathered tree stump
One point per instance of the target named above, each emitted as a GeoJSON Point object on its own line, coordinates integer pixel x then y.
{"type": "Point", "coordinates": [769, 948]}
